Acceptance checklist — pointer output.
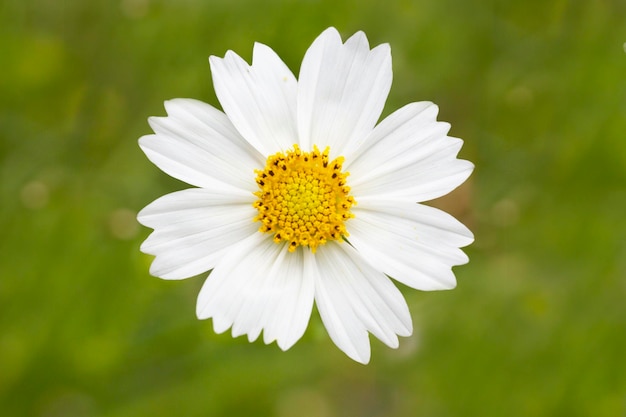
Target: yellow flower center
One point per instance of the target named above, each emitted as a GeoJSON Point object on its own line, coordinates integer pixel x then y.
{"type": "Point", "coordinates": [303, 198]}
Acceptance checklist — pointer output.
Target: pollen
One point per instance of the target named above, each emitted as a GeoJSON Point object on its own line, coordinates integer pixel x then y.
{"type": "Point", "coordinates": [303, 198]}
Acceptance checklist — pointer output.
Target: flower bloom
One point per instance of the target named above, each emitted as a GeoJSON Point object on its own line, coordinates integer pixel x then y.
{"type": "Point", "coordinates": [300, 197]}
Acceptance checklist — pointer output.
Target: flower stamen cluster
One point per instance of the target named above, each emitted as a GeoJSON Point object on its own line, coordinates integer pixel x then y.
{"type": "Point", "coordinates": [303, 198]}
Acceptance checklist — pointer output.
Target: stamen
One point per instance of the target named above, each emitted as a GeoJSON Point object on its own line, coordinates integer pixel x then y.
{"type": "Point", "coordinates": [303, 199]}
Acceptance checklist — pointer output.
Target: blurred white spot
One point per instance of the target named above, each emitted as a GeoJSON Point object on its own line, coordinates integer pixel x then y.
{"type": "Point", "coordinates": [134, 9]}
{"type": "Point", "coordinates": [624, 46]}
{"type": "Point", "coordinates": [505, 212]}
{"type": "Point", "coordinates": [303, 402]}
{"type": "Point", "coordinates": [35, 195]}
{"type": "Point", "coordinates": [123, 224]}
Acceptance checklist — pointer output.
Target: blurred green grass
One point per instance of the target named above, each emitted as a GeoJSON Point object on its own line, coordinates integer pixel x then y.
{"type": "Point", "coordinates": [537, 323]}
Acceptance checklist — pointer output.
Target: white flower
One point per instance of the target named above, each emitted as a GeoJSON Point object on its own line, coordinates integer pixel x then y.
{"type": "Point", "coordinates": [275, 216]}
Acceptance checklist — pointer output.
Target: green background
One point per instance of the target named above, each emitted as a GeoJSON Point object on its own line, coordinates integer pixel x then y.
{"type": "Point", "coordinates": [537, 324]}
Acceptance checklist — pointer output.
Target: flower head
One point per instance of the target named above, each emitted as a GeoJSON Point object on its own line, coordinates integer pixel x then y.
{"type": "Point", "coordinates": [300, 197]}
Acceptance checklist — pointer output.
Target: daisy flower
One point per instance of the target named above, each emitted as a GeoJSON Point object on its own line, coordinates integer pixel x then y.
{"type": "Point", "coordinates": [300, 197]}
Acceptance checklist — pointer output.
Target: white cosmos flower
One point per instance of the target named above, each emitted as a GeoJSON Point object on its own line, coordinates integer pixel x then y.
{"type": "Point", "coordinates": [274, 214]}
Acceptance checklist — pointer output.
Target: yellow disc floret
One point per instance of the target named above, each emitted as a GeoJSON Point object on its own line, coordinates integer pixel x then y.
{"type": "Point", "coordinates": [303, 198]}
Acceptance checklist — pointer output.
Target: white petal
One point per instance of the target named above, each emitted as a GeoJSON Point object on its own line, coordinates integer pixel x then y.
{"type": "Point", "coordinates": [408, 156]}
{"type": "Point", "coordinates": [193, 229]}
{"type": "Point", "coordinates": [353, 298]}
{"type": "Point", "coordinates": [342, 90]}
{"type": "Point", "coordinates": [196, 143]}
{"type": "Point", "coordinates": [414, 244]}
{"type": "Point", "coordinates": [259, 99]}
{"type": "Point", "coordinates": [257, 286]}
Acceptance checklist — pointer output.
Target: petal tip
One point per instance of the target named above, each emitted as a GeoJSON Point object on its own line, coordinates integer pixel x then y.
{"type": "Point", "coordinates": [142, 141]}
{"type": "Point", "coordinates": [364, 359]}
{"type": "Point", "coordinates": [331, 34]}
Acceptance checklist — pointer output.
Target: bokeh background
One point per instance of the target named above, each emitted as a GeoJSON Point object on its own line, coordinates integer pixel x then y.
{"type": "Point", "coordinates": [537, 324]}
